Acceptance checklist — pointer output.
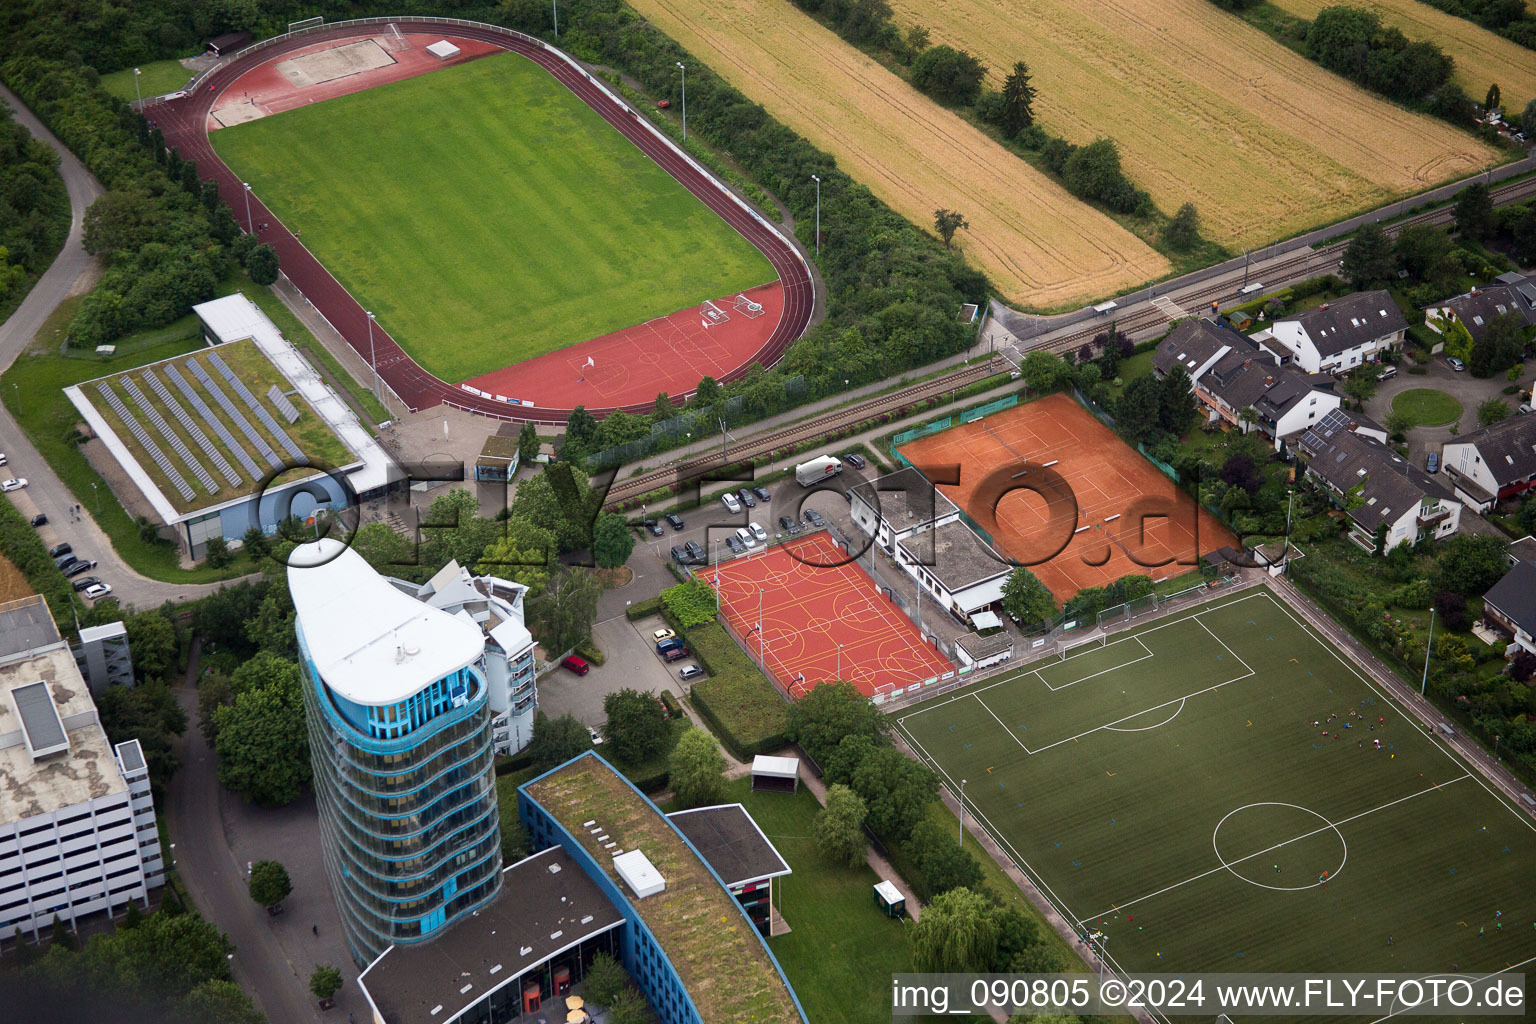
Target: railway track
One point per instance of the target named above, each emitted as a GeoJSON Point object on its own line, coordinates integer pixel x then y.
{"type": "Point", "coordinates": [1305, 263]}
{"type": "Point", "coordinates": [759, 445]}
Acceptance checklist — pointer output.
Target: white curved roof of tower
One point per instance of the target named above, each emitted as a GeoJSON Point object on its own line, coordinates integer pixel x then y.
{"type": "Point", "coordinates": [371, 643]}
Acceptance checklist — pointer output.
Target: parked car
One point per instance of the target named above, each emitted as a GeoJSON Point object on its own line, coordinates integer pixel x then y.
{"type": "Point", "coordinates": [663, 646]}
{"type": "Point", "coordinates": [680, 555]}
{"type": "Point", "coordinates": [1432, 463]}
{"type": "Point", "coordinates": [79, 566]}
{"type": "Point", "coordinates": [65, 561]}
{"type": "Point", "coordinates": [729, 500]}
{"type": "Point", "coordinates": [746, 538]}
{"type": "Point", "coordinates": [663, 634]}
{"type": "Point", "coordinates": [695, 552]}
{"type": "Point", "coordinates": [758, 533]}
{"type": "Point", "coordinates": [3, 459]}
{"type": "Point", "coordinates": [1456, 364]}
{"type": "Point", "coordinates": [98, 592]}
{"type": "Point", "coordinates": [15, 483]}
{"type": "Point", "coordinates": [595, 736]}
{"type": "Point", "coordinates": [736, 546]}
{"type": "Point", "coordinates": [814, 518]}
{"type": "Point", "coordinates": [41, 519]}
{"type": "Point", "coordinates": [674, 520]}
{"type": "Point", "coordinates": [689, 672]}
{"type": "Point", "coordinates": [1387, 374]}
{"type": "Point", "coordinates": [576, 664]}
{"type": "Point", "coordinates": [855, 460]}
{"type": "Point", "coordinates": [763, 494]}
{"type": "Point", "coordinates": [674, 654]}
{"type": "Point", "coordinates": [59, 549]}
{"type": "Point", "coordinates": [652, 527]}
{"type": "Point", "coordinates": [86, 582]}
{"type": "Point", "coordinates": [747, 499]}
{"type": "Point", "coordinates": [790, 526]}
{"type": "Point", "coordinates": [1525, 407]}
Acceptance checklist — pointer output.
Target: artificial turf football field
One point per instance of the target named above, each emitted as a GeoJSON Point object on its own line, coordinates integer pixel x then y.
{"type": "Point", "coordinates": [487, 215]}
{"type": "Point", "coordinates": [1169, 789]}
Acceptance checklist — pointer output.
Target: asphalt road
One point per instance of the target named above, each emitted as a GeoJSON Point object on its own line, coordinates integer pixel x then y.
{"type": "Point", "coordinates": [73, 271]}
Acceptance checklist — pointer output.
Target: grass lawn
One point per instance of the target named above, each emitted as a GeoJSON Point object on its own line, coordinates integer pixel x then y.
{"type": "Point", "coordinates": [488, 215]}
{"type": "Point", "coordinates": [1138, 365]}
{"type": "Point", "coordinates": [1177, 769]}
{"type": "Point", "coordinates": [1427, 407]}
{"type": "Point", "coordinates": [158, 78]}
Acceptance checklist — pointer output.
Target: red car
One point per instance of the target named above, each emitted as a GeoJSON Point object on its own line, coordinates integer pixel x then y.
{"type": "Point", "coordinates": [576, 664]}
{"type": "Point", "coordinates": [674, 654]}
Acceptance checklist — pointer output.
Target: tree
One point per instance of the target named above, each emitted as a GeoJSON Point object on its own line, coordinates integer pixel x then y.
{"type": "Point", "coordinates": [262, 745]}
{"type": "Point", "coordinates": [949, 75]}
{"type": "Point", "coordinates": [914, 43]}
{"type": "Point", "coordinates": [946, 223]}
{"type": "Point", "coordinates": [562, 617]}
{"type": "Point", "coordinates": [1183, 230]}
{"type": "Point", "coordinates": [1360, 386]}
{"type": "Point", "coordinates": [1491, 101]}
{"type": "Point", "coordinates": [708, 392]}
{"type": "Point", "coordinates": [454, 530]}
{"type": "Point", "coordinates": [942, 862]}
{"type": "Point", "coordinates": [1044, 371]}
{"type": "Point", "coordinates": [1474, 213]}
{"type": "Point", "coordinates": [120, 221]}
{"type": "Point", "coordinates": [612, 540]}
{"type": "Point", "coordinates": [219, 1001]}
{"type": "Point", "coordinates": [527, 444]}
{"type": "Point", "coordinates": [217, 552]}
{"type": "Point", "coordinates": [1368, 258]}
{"type": "Point", "coordinates": [1176, 408]}
{"type": "Point", "coordinates": [1398, 424]}
{"type": "Point", "coordinates": [636, 726]}
{"type": "Point", "coordinates": [1492, 411]}
{"type": "Point", "coordinates": [1018, 107]}
{"type": "Point", "coordinates": [839, 827]}
{"type": "Point", "coordinates": [557, 740]}
{"type": "Point", "coordinates": [269, 884]}
{"type": "Point", "coordinates": [957, 933]}
{"type": "Point", "coordinates": [664, 409]}
{"type": "Point", "coordinates": [1026, 598]}
{"type": "Point", "coordinates": [829, 713]}
{"type": "Point", "coordinates": [255, 544]}
{"type": "Point", "coordinates": [1136, 413]}
{"type": "Point", "coordinates": [262, 265]}
{"type": "Point", "coordinates": [630, 1007]}
{"type": "Point", "coordinates": [152, 639]}
{"type": "Point", "coordinates": [606, 978]}
{"type": "Point", "coordinates": [149, 713]}
{"type": "Point", "coordinates": [865, 18]}
{"type": "Point", "coordinates": [1528, 120]}
{"type": "Point", "coordinates": [1501, 347]}
{"type": "Point", "coordinates": [696, 769]}
{"type": "Point", "coordinates": [896, 791]}
{"type": "Point", "coordinates": [524, 553]}
{"type": "Point", "coordinates": [325, 982]}
{"type": "Point", "coordinates": [1469, 565]}
{"type": "Point", "coordinates": [1340, 39]}
{"type": "Point", "coordinates": [580, 429]}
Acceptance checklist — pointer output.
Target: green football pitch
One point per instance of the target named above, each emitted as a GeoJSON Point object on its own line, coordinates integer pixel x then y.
{"type": "Point", "coordinates": [487, 215]}
{"type": "Point", "coordinates": [1173, 789]}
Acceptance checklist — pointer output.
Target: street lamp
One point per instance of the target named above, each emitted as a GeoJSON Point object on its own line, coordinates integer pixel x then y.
{"type": "Point", "coordinates": [136, 92]}
{"type": "Point", "coordinates": [372, 361]}
{"type": "Point", "coordinates": [1427, 648]}
{"type": "Point", "coordinates": [817, 180]}
{"type": "Point", "coordinates": [962, 812]}
{"type": "Point", "coordinates": [839, 661]}
{"type": "Point", "coordinates": [760, 662]}
{"type": "Point", "coordinates": [684, 70]}
{"type": "Point", "coordinates": [247, 185]}
{"type": "Point", "coordinates": [555, 6]}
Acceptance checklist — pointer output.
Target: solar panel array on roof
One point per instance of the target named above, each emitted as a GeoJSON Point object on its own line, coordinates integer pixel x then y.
{"type": "Point", "coordinates": [235, 415]}
{"type": "Point", "coordinates": [276, 397]}
{"type": "Point", "coordinates": [169, 435]}
{"type": "Point", "coordinates": [190, 426]}
{"type": "Point", "coordinates": [40, 722]}
{"type": "Point", "coordinates": [137, 429]}
{"type": "Point", "coordinates": [256, 407]}
{"type": "Point", "coordinates": [213, 421]}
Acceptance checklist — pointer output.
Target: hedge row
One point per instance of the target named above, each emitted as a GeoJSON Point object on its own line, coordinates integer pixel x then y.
{"type": "Point", "coordinates": [20, 544]}
{"type": "Point", "coordinates": [741, 706]}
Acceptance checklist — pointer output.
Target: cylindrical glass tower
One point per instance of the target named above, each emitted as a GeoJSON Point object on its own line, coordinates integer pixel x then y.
{"type": "Point", "coordinates": [400, 740]}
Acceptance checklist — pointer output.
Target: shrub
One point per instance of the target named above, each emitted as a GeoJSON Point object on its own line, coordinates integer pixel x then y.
{"type": "Point", "coordinates": [691, 603]}
{"type": "Point", "coordinates": [741, 706]}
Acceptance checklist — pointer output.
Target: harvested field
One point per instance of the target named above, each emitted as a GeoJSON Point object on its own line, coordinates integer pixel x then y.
{"type": "Point", "coordinates": [1038, 244]}
{"type": "Point", "coordinates": [1481, 56]}
{"type": "Point", "coordinates": [1207, 109]}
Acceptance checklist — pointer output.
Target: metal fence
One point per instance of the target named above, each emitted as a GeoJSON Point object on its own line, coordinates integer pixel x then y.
{"type": "Point", "coordinates": [996, 405]}
{"type": "Point", "coordinates": [1167, 470]}
{"type": "Point", "coordinates": [1094, 407]}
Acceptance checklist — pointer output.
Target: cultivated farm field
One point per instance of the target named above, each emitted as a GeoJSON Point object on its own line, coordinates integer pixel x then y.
{"type": "Point", "coordinates": [1482, 57]}
{"type": "Point", "coordinates": [1038, 244]}
{"type": "Point", "coordinates": [1207, 109]}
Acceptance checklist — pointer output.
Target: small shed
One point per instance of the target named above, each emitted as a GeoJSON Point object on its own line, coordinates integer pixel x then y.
{"type": "Point", "coordinates": [775, 774]}
{"type": "Point", "coordinates": [443, 50]}
{"type": "Point", "coordinates": [229, 42]}
{"type": "Point", "coordinates": [498, 457]}
{"type": "Point", "coordinates": [889, 899]}
{"type": "Point", "coordinates": [1241, 320]}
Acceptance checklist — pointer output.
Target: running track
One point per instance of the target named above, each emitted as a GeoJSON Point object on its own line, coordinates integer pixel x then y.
{"type": "Point", "coordinates": [184, 123]}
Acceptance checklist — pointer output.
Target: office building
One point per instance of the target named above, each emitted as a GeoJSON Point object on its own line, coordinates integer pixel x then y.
{"type": "Point", "coordinates": [103, 657]}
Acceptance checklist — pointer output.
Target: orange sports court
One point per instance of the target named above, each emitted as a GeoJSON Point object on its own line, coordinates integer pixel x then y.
{"type": "Point", "coordinates": [1058, 491]}
{"type": "Point", "coordinates": [810, 600]}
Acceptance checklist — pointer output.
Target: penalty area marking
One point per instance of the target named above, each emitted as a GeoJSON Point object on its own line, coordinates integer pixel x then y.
{"type": "Point", "coordinates": [1113, 668]}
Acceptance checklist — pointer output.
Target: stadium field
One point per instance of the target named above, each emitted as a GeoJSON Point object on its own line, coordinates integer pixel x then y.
{"type": "Point", "coordinates": [487, 215]}
{"type": "Point", "coordinates": [1222, 791]}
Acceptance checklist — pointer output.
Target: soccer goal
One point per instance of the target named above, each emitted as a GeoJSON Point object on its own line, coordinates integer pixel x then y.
{"type": "Point", "coordinates": [713, 315]}
{"type": "Point", "coordinates": [1068, 646]}
{"type": "Point", "coordinates": [748, 308]}
{"type": "Point", "coordinates": [303, 23]}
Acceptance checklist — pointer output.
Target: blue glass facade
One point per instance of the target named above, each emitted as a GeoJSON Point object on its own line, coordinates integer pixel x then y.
{"type": "Point", "coordinates": [407, 801]}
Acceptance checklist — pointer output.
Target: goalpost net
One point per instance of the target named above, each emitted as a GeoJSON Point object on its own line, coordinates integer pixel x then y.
{"type": "Point", "coordinates": [712, 314]}
{"type": "Point", "coordinates": [1067, 646]}
{"type": "Point", "coordinates": [303, 23]}
{"type": "Point", "coordinates": [747, 307]}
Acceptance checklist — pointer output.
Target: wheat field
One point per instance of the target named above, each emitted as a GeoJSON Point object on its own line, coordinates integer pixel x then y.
{"type": "Point", "coordinates": [1038, 244]}
{"type": "Point", "coordinates": [1206, 109]}
{"type": "Point", "coordinates": [1482, 57]}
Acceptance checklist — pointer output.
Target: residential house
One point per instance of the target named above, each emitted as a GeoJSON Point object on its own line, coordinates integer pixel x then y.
{"type": "Point", "coordinates": [1491, 465]}
{"type": "Point", "coordinates": [1338, 336]}
{"type": "Point", "coordinates": [1511, 605]}
{"type": "Point", "coordinates": [1377, 488]}
{"type": "Point", "coordinates": [1510, 293]}
{"type": "Point", "coordinates": [1229, 374]}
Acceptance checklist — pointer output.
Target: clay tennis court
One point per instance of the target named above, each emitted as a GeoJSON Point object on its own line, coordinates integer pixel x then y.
{"type": "Point", "coordinates": [810, 603]}
{"type": "Point", "coordinates": [1101, 511]}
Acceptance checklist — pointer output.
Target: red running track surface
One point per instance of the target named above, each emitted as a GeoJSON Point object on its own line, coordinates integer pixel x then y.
{"type": "Point", "coordinates": [812, 600]}
{"type": "Point", "coordinates": [184, 123]}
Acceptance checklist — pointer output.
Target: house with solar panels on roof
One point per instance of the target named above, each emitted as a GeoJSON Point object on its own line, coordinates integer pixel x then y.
{"type": "Point", "coordinates": [1338, 336]}
{"type": "Point", "coordinates": [241, 433]}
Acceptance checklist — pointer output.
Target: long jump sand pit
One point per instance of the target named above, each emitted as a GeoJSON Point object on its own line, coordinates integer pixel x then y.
{"type": "Point", "coordinates": [335, 62]}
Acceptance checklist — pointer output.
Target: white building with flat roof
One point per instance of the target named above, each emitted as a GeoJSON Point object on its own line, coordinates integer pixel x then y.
{"type": "Point", "coordinates": [77, 821]}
